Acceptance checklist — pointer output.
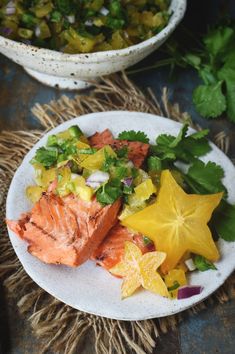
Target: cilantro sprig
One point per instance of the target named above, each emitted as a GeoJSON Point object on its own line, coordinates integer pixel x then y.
{"type": "Point", "coordinates": [213, 58]}
{"type": "Point", "coordinates": [183, 147]}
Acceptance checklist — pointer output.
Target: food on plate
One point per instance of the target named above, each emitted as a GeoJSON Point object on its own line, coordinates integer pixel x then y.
{"type": "Point", "coordinates": [78, 26]}
{"type": "Point", "coordinates": [111, 250]}
{"type": "Point", "coordinates": [65, 230]}
{"type": "Point", "coordinates": [140, 270]}
{"type": "Point", "coordinates": [125, 203]}
{"type": "Point", "coordinates": [177, 216]}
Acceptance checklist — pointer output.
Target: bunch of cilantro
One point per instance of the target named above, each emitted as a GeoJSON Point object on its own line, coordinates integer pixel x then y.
{"type": "Point", "coordinates": [213, 57]}
{"type": "Point", "coordinates": [215, 65]}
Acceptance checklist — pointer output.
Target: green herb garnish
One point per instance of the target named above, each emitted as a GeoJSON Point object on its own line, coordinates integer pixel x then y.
{"type": "Point", "coordinates": [132, 135]}
{"type": "Point", "coordinates": [147, 241]}
{"type": "Point", "coordinates": [108, 193]}
{"type": "Point", "coordinates": [175, 286]}
{"type": "Point", "coordinates": [202, 264]}
{"type": "Point", "coordinates": [46, 157]}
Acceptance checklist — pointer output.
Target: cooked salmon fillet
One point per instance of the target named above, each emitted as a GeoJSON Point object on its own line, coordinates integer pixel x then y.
{"type": "Point", "coordinates": [111, 250]}
{"type": "Point", "coordinates": [65, 230]}
{"type": "Point", "coordinates": [137, 151]}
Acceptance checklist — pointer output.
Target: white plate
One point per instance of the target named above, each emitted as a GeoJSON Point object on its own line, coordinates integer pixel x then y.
{"type": "Point", "coordinates": [90, 288]}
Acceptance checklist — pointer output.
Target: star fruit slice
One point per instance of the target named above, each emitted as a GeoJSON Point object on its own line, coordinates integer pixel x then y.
{"type": "Point", "coordinates": [138, 269]}
{"type": "Point", "coordinates": [177, 222]}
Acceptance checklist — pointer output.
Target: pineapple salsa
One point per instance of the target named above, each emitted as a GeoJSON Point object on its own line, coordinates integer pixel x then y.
{"type": "Point", "coordinates": [82, 26]}
{"type": "Point", "coordinates": [169, 209]}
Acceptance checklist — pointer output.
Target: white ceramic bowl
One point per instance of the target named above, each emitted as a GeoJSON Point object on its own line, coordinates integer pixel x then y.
{"type": "Point", "coordinates": [74, 71]}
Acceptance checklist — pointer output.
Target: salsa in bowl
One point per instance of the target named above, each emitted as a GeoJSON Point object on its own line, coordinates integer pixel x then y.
{"type": "Point", "coordinates": [99, 54]}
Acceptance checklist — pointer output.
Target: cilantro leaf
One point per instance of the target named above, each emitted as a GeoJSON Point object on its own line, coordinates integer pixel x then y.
{"type": "Point", "coordinates": [218, 40]}
{"type": "Point", "coordinates": [196, 147]}
{"type": "Point", "coordinates": [182, 147]}
{"type": "Point", "coordinates": [154, 164]}
{"type": "Point", "coordinates": [123, 152]}
{"type": "Point", "coordinates": [202, 264]}
{"type": "Point", "coordinates": [132, 135]}
{"type": "Point", "coordinates": [224, 221]}
{"type": "Point", "coordinates": [209, 100]}
{"type": "Point", "coordinates": [230, 85]}
{"type": "Point", "coordinates": [199, 135]}
{"type": "Point", "coordinates": [227, 74]}
{"type": "Point", "coordinates": [108, 194]}
{"type": "Point", "coordinates": [165, 139]}
{"type": "Point", "coordinates": [180, 136]}
{"type": "Point", "coordinates": [206, 178]}
{"type": "Point", "coordinates": [192, 59]}
{"type": "Point", "coordinates": [65, 7]}
{"type": "Point", "coordinates": [108, 162]}
{"type": "Point", "coordinates": [207, 75]}
{"type": "Point", "coordinates": [47, 157]}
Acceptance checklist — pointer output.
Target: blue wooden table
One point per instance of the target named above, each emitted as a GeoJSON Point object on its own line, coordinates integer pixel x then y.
{"type": "Point", "coordinates": [212, 330]}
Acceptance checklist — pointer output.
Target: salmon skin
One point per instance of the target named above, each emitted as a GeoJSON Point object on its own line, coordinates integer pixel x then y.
{"type": "Point", "coordinates": [65, 230]}
{"type": "Point", "coordinates": [111, 250]}
{"type": "Point", "coordinates": [137, 151]}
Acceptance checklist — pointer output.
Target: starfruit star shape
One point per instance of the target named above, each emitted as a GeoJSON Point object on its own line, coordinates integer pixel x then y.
{"type": "Point", "coordinates": [140, 270]}
{"type": "Point", "coordinates": [177, 222]}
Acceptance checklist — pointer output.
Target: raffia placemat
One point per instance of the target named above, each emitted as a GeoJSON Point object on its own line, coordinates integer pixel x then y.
{"type": "Point", "coordinates": [62, 328]}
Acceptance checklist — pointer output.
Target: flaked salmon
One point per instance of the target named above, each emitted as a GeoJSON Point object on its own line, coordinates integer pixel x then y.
{"type": "Point", "coordinates": [99, 140]}
{"type": "Point", "coordinates": [137, 151]}
{"type": "Point", "coordinates": [65, 230]}
{"type": "Point", "coordinates": [111, 250]}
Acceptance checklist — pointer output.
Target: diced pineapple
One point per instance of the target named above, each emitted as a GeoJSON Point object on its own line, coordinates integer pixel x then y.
{"type": "Point", "coordinates": [144, 190]}
{"type": "Point", "coordinates": [175, 279]}
{"type": "Point", "coordinates": [34, 193]}
{"type": "Point", "coordinates": [95, 162]}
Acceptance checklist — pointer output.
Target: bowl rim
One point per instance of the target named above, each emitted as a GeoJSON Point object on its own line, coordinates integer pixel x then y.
{"type": "Point", "coordinates": [49, 54]}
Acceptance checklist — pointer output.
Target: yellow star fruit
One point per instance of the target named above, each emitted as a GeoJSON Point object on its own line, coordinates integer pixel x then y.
{"type": "Point", "coordinates": [138, 269]}
{"type": "Point", "coordinates": [177, 222]}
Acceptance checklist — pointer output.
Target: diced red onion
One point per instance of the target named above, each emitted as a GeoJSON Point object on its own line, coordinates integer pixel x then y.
{"type": "Point", "coordinates": [37, 31]}
{"type": "Point", "coordinates": [96, 179]}
{"type": "Point", "coordinates": [128, 181]}
{"type": "Point", "coordinates": [190, 264]}
{"type": "Point", "coordinates": [187, 291]}
{"type": "Point", "coordinates": [6, 31]}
